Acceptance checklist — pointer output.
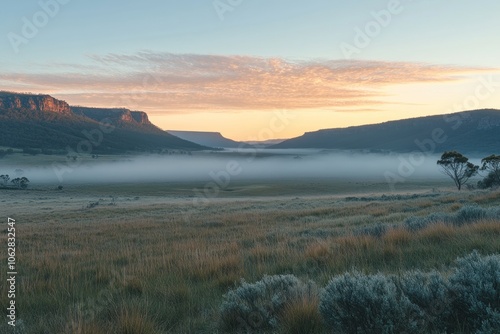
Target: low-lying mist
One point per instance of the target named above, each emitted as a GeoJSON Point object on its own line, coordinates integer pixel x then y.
{"type": "Point", "coordinates": [232, 166]}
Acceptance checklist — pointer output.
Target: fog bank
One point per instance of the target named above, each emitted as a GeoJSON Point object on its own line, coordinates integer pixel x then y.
{"type": "Point", "coordinates": [245, 165]}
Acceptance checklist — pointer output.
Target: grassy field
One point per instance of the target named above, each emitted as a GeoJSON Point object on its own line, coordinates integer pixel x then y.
{"type": "Point", "coordinates": [147, 259]}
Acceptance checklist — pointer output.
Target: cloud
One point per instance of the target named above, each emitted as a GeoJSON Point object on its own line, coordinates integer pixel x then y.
{"type": "Point", "coordinates": [173, 83]}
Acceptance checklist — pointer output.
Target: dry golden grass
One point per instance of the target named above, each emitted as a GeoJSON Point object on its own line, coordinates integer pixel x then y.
{"type": "Point", "coordinates": [488, 197]}
{"type": "Point", "coordinates": [318, 252]}
{"type": "Point", "coordinates": [301, 316]}
{"type": "Point", "coordinates": [147, 269]}
{"type": "Point", "coordinates": [132, 320]}
{"type": "Point", "coordinates": [437, 233]}
{"type": "Point", "coordinates": [398, 236]}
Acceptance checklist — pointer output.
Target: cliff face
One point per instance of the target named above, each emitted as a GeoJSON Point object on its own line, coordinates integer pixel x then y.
{"type": "Point", "coordinates": [46, 103]}
{"type": "Point", "coordinates": [140, 117]}
{"type": "Point", "coordinates": [116, 116]}
{"type": "Point", "coordinates": [33, 102]}
{"type": "Point", "coordinates": [43, 122]}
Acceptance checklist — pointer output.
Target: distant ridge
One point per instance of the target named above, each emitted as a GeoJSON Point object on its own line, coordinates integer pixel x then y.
{"type": "Point", "coordinates": [264, 143]}
{"type": "Point", "coordinates": [121, 117]}
{"type": "Point", "coordinates": [212, 139]}
{"type": "Point", "coordinates": [45, 123]}
{"type": "Point", "coordinates": [470, 132]}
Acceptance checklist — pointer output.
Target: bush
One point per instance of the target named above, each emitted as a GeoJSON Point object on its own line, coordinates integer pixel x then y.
{"type": "Point", "coordinates": [475, 287]}
{"type": "Point", "coordinates": [256, 307]}
{"type": "Point", "coordinates": [491, 324]}
{"type": "Point", "coordinates": [468, 214]}
{"type": "Point", "coordinates": [378, 230]}
{"type": "Point", "coordinates": [414, 302]}
{"type": "Point", "coordinates": [356, 303]}
{"type": "Point", "coordinates": [414, 224]}
{"type": "Point", "coordinates": [430, 292]}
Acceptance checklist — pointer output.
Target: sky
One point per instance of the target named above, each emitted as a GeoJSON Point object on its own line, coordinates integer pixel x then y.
{"type": "Point", "coordinates": [238, 66]}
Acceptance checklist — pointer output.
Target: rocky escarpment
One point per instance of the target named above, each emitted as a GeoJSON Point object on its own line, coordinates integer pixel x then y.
{"type": "Point", "coordinates": [45, 123]}
{"type": "Point", "coordinates": [33, 102]}
{"type": "Point", "coordinates": [141, 117]}
{"type": "Point", "coordinates": [46, 103]}
{"type": "Point", "coordinates": [116, 116]}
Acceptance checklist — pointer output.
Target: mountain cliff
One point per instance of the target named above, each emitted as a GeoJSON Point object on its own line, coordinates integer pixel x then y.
{"type": "Point", "coordinates": [44, 103]}
{"type": "Point", "coordinates": [118, 117]}
{"type": "Point", "coordinates": [43, 122]}
{"type": "Point", "coordinates": [469, 132]}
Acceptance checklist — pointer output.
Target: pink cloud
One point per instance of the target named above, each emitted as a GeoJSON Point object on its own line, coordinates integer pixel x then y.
{"type": "Point", "coordinates": [186, 83]}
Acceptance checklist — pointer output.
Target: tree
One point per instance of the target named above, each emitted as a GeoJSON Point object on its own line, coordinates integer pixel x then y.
{"type": "Point", "coordinates": [489, 181]}
{"type": "Point", "coordinates": [21, 182]}
{"type": "Point", "coordinates": [5, 179]}
{"type": "Point", "coordinates": [491, 164]}
{"type": "Point", "coordinates": [458, 167]}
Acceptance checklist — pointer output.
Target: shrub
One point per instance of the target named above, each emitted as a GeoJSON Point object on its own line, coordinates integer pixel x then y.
{"type": "Point", "coordinates": [414, 224]}
{"type": "Point", "coordinates": [491, 324]}
{"type": "Point", "coordinates": [356, 303]}
{"type": "Point", "coordinates": [430, 292]}
{"type": "Point", "coordinates": [378, 230]}
{"type": "Point", "coordinates": [468, 214]}
{"type": "Point", "coordinates": [419, 223]}
{"type": "Point", "coordinates": [255, 307]}
{"type": "Point", "coordinates": [439, 217]}
{"type": "Point", "coordinates": [475, 286]}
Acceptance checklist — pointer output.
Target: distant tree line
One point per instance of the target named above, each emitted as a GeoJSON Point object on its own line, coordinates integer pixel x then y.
{"type": "Point", "coordinates": [17, 183]}
{"type": "Point", "coordinates": [460, 170]}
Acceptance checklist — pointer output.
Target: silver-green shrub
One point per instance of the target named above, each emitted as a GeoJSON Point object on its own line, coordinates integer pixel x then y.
{"type": "Point", "coordinates": [376, 230]}
{"type": "Point", "coordinates": [431, 293]}
{"type": "Point", "coordinates": [357, 303]}
{"type": "Point", "coordinates": [490, 325]}
{"type": "Point", "coordinates": [256, 307]}
{"type": "Point", "coordinates": [475, 288]}
{"type": "Point", "coordinates": [468, 214]}
{"type": "Point", "coordinates": [419, 223]}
